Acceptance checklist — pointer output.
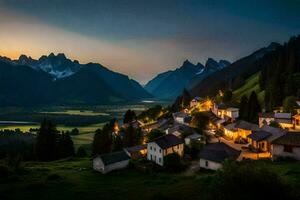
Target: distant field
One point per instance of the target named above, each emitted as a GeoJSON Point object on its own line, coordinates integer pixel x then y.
{"type": "Point", "coordinates": [78, 112]}
{"type": "Point", "coordinates": [74, 179]}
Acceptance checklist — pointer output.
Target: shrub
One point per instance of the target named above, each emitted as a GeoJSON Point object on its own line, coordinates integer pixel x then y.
{"type": "Point", "coordinates": [173, 163]}
{"type": "Point", "coordinates": [81, 152]}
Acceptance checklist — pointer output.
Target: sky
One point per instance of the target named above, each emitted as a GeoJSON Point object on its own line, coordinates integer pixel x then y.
{"type": "Point", "coordinates": [142, 38]}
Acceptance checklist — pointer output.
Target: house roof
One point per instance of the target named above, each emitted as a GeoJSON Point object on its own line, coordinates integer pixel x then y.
{"type": "Point", "coordinates": [266, 115]}
{"type": "Point", "coordinates": [180, 114]}
{"type": "Point", "coordinates": [259, 135]}
{"type": "Point", "coordinates": [181, 128]}
{"type": "Point", "coordinates": [283, 115]}
{"type": "Point", "coordinates": [114, 157]}
{"type": "Point", "coordinates": [232, 109]}
{"type": "Point", "coordinates": [194, 136]}
{"type": "Point", "coordinates": [136, 148]}
{"type": "Point", "coordinates": [231, 127]}
{"type": "Point", "coordinates": [247, 125]}
{"type": "Point", "coordinates": [275, 132]}
{"type": "Point", "coordinates": [219, 152]}
{"type": "Point", "coordinates": [167, 141]}
{"type": "Point", "coordinates": [291, 138]}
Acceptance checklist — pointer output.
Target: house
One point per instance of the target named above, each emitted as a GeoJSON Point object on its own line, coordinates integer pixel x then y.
{"type": "Point", "coordinates": [161, 124]}
{"type": "Point", "coordinates": [162, 146]}
{"type": "Point", "coordinates": [136, 152]}
{"type": "Point", "coordinates": [225, 112]}
{"type": "Point", "coordinates": [112, 161]}
{"type": "Point", "coordinates": [283, 119]}
{"type": "Point", "coordinates": [201, 104]}
{"type": "Point", "coordinates": [262, 140]}
{"type": "Point", "coordinates": [244, 129]}
{"type": "Point", "coordinates": [287, 145]}
{"type": "Point", "coordinates": [193, 137]}
{"type": "Point", "coordinates": [182, 117]}
{"type": "Point", "coordinates": [213, 155]}
{"type": "Point", "coordinates": [296, 122]}
{"type": "Point", "coordinates": [230, 131]}
{"type": "Point", "coordinates": [215, 122]}
{"type": "Point", "coordinates": [179, 130]}
{"type": "Point", "coordinates": [195, 102]}
{"type": "Point", "coordinates": [135, 124]}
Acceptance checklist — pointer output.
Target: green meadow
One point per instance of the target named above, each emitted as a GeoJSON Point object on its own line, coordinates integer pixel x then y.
{"type": "Point", "coordinates": [74, 179]}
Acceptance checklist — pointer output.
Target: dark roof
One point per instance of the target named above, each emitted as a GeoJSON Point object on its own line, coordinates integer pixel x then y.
{"type": "Point", "coordinates": [231, 127]}
{"type": "Point", "coordinates": [167, 141]}
{"type": "Point", "coordinates": [219, 152]}
{"type": "Point", "coordinates": [114, 157]}
{"type": "Point", "coordinates": [259, 135]}
{"type": "Point", "coordinates": [247, 125]}
{"type": "Point", "coordinates": [136, 148]}
{"type": "Point", "coordinates": [266, 115]}
{"type": "Point", "coordinates": [291, 138]}
{"type": "Point", "coordinates": [276, 132]}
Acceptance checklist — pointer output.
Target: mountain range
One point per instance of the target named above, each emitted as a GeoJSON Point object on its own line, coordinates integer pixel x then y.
{"type": "Point", "coordinates": [233, 75]}
{"type": "Point", "coordinates": [55, 79]}
{"type": "Point", "coordinates": [170, 84]}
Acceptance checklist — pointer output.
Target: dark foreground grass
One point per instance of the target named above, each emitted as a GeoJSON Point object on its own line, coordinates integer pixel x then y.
{"type": "Point", "coordinates": [74, 179]}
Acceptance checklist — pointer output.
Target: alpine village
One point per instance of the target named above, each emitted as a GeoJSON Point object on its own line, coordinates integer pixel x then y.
{"type": "Point", "coordinates": [221, 130]}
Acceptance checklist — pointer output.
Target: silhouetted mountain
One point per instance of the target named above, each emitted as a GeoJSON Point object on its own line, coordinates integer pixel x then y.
{"type": "Point", "coordinates": [58, 80]}
{"type": "Point", "coordinates": [170, 84]}
{"type": "Point", "coordinates": [232, 76]}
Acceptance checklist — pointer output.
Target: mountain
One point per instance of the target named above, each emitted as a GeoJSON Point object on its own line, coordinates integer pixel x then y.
{"type": "Point", "coordinates": [170, 84]}
{"type": "Point", "coordinates": [234, 75]}
{"type": "Point", "coordinates": [55, 79]}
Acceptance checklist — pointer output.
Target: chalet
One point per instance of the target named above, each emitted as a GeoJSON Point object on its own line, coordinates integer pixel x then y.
{"type": "Point", "coordinates": [283, 119]}
{"type": "Point", "coordinates": [261, 140]}
{"type": "Point", "coordinates": [287, 145]}
{"type": "Point", "coordinates": [182, 117]}
{"type": "Point", "coordinates": [244, 129]}
{"type": "Point", "coordinates": [225, 112]}
{"type": "Point", "coordinates": [112, 161]}
{"type": "Point", "coordinates": [296, 122]}
{"type": "Point", "coordinates": [162, 146]}
{"type": "Point", "coordinates": [135, 124]}
{"type": "Point", "coordinates": [213, 155]}
{"type": "Point", "coordinates": [195, 102]}
{"type": "Point", "coordinates": [161, 124]}
{"type": "Point", "coordinates": [201, 104]}
{"type": "Point", "coordinates": [195, 137]}
{"type": "Point", "coordinates": [178, 130]}
{"type": "Point", "coordinates": [136, 152]}
{"type": "Point", "coordinates": [230, 131]}
{"type": "Point", "coordinates": [215, 122]}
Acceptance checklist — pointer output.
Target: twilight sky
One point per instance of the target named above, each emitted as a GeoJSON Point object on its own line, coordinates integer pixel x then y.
{"type": "Point", "coordinates": [144, 37]}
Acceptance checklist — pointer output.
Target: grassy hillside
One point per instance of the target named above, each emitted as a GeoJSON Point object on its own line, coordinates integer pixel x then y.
{"type": "Point", "coordinates": [250, 85]}
{"type": "Point", "coordinates": [75, 179]}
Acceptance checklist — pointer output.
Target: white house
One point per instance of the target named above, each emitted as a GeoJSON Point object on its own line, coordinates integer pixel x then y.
{"type": "Point", "coordinates": [162, 146]}
{"type": "Point", "coordinates": [112, 161]}
{"type": "Point", "coordinates": [182, 117]}
{"type": "Point", "coordinates": [284, 119]}
{"type": "Point", "coordinates": [225, 112]}
{"type": "Point", "coordinates": [213, 155]}
{"type": "Point", "coordinates": [287, 145]}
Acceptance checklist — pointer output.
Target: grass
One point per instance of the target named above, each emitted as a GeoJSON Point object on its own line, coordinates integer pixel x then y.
{"type": "Point", "coordinates": [250, 85]}
{"type": "Point", "coordinates": [74, 179]}
{"type": "Point", "coordinates": [78, 112]}
{"type": "Point", "coordinates": [82, 129]}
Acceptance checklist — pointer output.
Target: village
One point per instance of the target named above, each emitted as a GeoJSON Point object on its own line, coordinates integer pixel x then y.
{"type": "Point", "coordinates": [224, 138]}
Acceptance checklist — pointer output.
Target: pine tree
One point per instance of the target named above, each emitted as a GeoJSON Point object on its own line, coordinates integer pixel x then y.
{"type": "Point", "coordinates": [186, 98]}
{"type": "Point", "coordinates": [46, 141]}
{"type": "Point", "coordinates": [129, 116]}
{"type": "Point", "coordinates": [117, 144]}
{"type": "Point", "coordinates": [243, 108]}
{"type": "Point", "coordinates": [253, 108]}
